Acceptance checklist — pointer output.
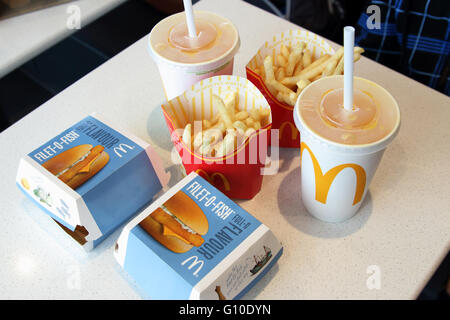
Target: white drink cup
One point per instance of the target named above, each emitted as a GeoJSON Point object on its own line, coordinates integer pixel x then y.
{"type": "Point", "coordinates": [182, 71]}
{"type": "Point", "coordinates": [335, 177]}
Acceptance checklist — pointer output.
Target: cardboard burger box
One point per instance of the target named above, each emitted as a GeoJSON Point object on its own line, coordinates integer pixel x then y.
{"type": "Point", "coordinates": [195, 243]}
{"type": "Point", "coordinates": [91, 178]}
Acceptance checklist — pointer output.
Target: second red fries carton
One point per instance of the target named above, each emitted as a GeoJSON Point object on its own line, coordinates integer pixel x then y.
{"type": "Point", "coordinates": [282, 112]}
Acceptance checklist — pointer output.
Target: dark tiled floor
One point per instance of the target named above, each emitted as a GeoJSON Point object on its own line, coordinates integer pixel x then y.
{"type": "Point", "coordinates": [120, 28]}
{"type": "Point", "coordinates": [19, 95]}
{"type": "Point", "coordinates": [38, 80]}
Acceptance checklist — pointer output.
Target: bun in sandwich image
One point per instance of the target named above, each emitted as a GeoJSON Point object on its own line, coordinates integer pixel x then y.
{"type": "Point", "coordinates": [178, 224]}
{"type": "Point", "coordinates": [25, 183]}
{"type": "Point", "coordinates": [78, 164]}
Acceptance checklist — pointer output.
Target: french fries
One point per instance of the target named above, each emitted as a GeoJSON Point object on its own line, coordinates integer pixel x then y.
{"type": "Point", "coordinates": [284, 51]}
{"type": "Point", "coordinates": [329, 69]}
{"type": "Point", "coordinates": [307, 58]}
{"type": "Point", "coordinates": [227, 129]}
{"type": "Point", "coordinates": [302, 84]}
{"type": "Point", "coordinates": [280, 74]}
{"type": "Point", "coordinates": [287, 73]}
{"type": "Point", "coordinates": [268, 69]}
{"type": "Point", "coordinates": [294, 57]}
{"type": "Point", "coordinates": [281, 61]}
{"type": "Point", "coordinates": [340, 66]}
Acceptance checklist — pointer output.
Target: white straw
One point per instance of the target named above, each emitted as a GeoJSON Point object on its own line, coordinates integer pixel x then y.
{"type": "Point", "coordinates": [349, 43]}
{"type": "Point", "coordinates": [190, 18]}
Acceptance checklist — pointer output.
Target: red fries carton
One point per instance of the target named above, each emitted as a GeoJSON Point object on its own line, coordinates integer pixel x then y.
{"type": "Point", "coordinates": [238, 174]}
{"type": "Point", "coordinates": [282, 118]}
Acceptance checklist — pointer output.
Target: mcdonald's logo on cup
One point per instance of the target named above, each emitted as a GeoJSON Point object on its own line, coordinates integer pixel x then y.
{"type": "Point", "coordinates": [334, 184]}
{"type": "Point", "coordinates": [323, 181]}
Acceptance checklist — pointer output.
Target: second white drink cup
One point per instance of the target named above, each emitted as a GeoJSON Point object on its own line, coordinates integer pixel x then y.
{"type": "Point", "coordinates": [335, 177]}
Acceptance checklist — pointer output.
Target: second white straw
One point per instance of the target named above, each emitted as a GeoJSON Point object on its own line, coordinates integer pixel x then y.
{"type": "Point", "coordinates": [190, 18]}
{"type": "Point", "coordinates": [349, 43]}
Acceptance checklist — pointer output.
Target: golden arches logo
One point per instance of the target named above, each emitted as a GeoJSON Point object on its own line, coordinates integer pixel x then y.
{"type": "Point", "coordinates": [294, 131]}
{"type": "Point", "coordinates": [211, 178]}
{"type": "Point", "coordinates": [324, 181]}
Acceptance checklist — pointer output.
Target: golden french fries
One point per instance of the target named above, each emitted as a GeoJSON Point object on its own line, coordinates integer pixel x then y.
{"type": "Point", "coordinates": [282, 98]}
{"type": "Point", "coordinates": [206, 124]}
{"type": "Point", "coordinates": [240, 125]}
{"type": "Point", "coordinates": [302, 84]}
{"type": "Point", "coordinates": [356, 56]}
{"type": "Point", "coordinates": [228, 129]}
{"type": "Point", "coordinates": [230, 102]}
{"type": "Point", "coordinates": [293, 59]}
{"type": "Point", "coordinates": [316, 63]}
{"type": "Point", "coordinates": [294, 68]}
{"type": "Point", "coordinates": [280, 74]}
{"type": "Point", "coordinates": [284, 51]}
{"type": "Point", "coordinates": [241, 115]}
{"type": "Point", "coordinates": [281, 61]}
{"type": "Point", "coordinates": [298, 68]}
{"type": "Point", "coordinates": [223, 111]}
{"type": "Point", "coordinates": [330, 67]}
{"type": "Point", "coordinates": [249, 122]}
{"type": "Point", "coordinates": [268, 68]}
{"type": "Point", "coordinates": [307, 58]}
{"type": "Point", "coordinates": [280, 87]}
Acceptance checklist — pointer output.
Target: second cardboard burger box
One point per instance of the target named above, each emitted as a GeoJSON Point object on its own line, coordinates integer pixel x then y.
{"type": "Point", "coordinates": [195, 243]}
{"type": "Point", "coordinates": [92, 178]}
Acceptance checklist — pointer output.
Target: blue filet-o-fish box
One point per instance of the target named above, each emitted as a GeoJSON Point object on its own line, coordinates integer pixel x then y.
{"type": "Point", "coordinates": [92, 178]}
{"type": "Point", "coordinates": [193, 242]}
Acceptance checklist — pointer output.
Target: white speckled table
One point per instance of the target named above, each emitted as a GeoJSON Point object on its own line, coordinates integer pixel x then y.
{"type": "Point", "coordinates": [403, 227]}
{"type": "Point", "coordinates": [25, 36]}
